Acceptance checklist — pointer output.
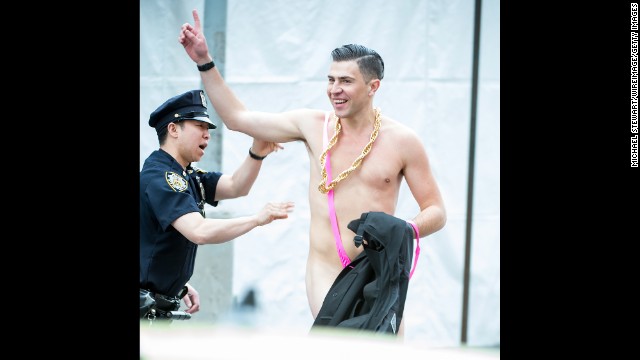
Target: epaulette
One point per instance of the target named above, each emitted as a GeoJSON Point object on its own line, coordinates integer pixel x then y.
{"type": "Point", "coordinates": [197, 170]}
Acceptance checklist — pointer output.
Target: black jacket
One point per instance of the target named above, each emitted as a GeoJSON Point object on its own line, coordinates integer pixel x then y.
{"type": "Point", "coordinates": [369, 294]}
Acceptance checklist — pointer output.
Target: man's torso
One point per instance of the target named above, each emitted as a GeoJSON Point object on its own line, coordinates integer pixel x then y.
{"type": "Point", "coordinates": [373, 186]}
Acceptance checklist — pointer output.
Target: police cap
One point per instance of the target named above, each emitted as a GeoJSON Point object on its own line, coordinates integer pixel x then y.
{"type": "Point", "coordinates": [191, 105]}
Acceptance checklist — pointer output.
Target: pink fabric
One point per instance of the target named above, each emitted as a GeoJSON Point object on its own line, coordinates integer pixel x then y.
{"type": "Point", "coordinates": [417, 231]}
{"type": "Point", "coordinates": [344, 258]}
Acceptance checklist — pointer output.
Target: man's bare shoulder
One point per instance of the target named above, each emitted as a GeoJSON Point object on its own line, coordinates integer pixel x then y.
{"type": "Point", "coordinates": [398, 130]}
{"type": "Point", "coordinates": [307, 120]}
{"type": "Point", "coordinates": [305, 114]}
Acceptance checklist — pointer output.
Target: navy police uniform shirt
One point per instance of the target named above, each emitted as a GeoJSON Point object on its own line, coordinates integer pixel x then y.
{"type": "Point", "coordinates": [167, 192]}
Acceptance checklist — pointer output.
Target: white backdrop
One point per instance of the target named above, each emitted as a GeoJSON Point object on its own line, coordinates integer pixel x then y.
{"type": "Point", "coordinates": [277, 58]}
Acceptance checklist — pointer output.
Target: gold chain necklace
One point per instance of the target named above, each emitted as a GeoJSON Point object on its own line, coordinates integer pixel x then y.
{"type": "Point", "coordinates": [323, 187]}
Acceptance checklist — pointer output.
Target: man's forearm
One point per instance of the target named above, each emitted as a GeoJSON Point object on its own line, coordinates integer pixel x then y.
{"type": "Point", "coordinates": [224, 101]}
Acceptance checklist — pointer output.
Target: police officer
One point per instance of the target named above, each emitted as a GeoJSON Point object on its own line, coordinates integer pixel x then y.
{"type": "Point", "coordinates": [172, 198]}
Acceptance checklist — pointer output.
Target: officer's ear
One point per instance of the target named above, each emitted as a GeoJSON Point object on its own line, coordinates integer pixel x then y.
{"type": "Point", "coordinates": [172, 129]}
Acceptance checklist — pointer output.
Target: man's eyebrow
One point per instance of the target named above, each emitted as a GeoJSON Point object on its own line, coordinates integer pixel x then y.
{"type": "Point", "coordinates": [341, 77]}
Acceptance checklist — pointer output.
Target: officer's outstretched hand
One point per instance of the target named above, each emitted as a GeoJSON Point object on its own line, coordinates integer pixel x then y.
{"type": "Point", "coordinates": [273, 211]}
{"type": "Point", "coordinates": [264, 148]}
{"type": "Point", "coordinates": [191, 300]}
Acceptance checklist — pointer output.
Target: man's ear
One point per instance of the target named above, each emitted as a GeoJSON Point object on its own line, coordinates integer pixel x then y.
{"type": "Point", "coordinates": [374, 85]}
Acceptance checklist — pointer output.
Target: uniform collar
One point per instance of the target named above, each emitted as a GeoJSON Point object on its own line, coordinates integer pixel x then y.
{"type": "Point", "coordinates": [166, 159]}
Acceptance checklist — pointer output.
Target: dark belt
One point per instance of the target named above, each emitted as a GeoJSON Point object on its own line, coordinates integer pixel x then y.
{"type": "Point", "coordinates": [166, 303]}
{"type": "Point", "coordinates": [155, 305]}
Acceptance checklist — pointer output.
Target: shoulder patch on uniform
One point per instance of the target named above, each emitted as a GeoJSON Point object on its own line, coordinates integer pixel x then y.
{"type": "Point", "coordinates": [177, 182]}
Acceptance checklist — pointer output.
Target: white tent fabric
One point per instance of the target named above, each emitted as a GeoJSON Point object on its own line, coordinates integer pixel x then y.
{"type": "Point", "coordinates": [277, 56]}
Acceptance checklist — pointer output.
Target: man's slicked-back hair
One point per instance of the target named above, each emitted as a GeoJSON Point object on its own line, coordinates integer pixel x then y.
{"type": "Point", "coordinates": [368, 60]}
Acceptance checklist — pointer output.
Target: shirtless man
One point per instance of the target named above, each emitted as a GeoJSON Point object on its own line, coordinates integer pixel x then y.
{"type": "Point", "coordinates": [367, 169]}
